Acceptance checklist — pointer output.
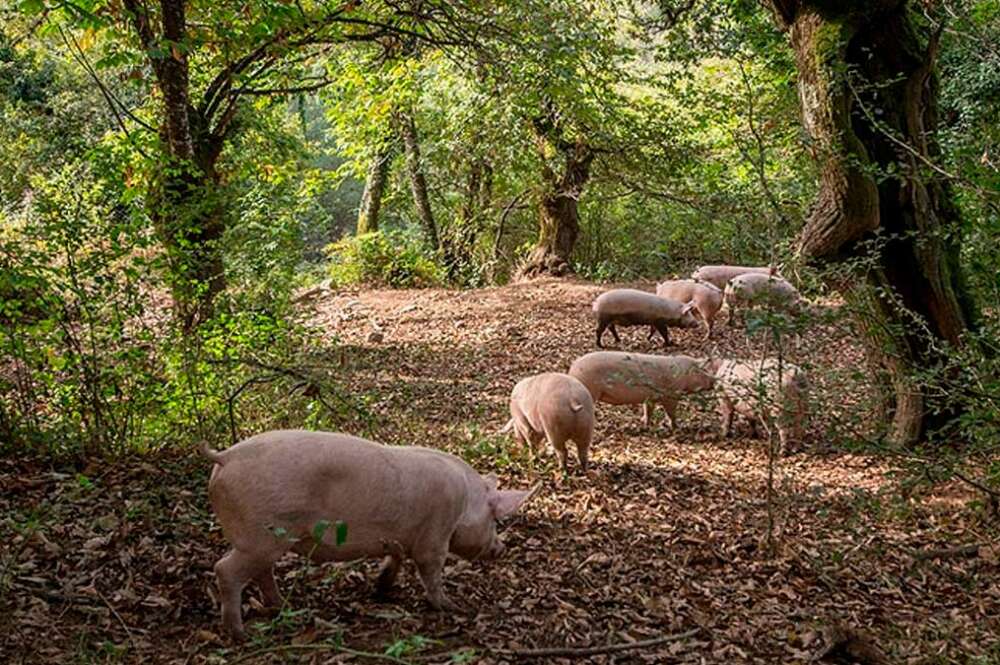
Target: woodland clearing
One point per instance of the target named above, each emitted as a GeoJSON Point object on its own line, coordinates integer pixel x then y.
{"type": "Point", "coordinates": [666, 535]}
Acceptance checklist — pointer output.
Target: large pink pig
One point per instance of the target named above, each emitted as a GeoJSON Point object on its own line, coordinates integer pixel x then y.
{"type": "Point", "coordinates": [274, 492]}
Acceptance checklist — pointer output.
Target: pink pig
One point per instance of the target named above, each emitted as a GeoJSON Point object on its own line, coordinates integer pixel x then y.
{"type": "Point", "coordinates": [767, 291]}
{"type": "Point", "coordinates": [275, 491]}
{"type": "Point", "coordinates": [614, 377]}
{"type": "Point", "coordinates": [631, 307]}
{"type": "Point", "coordinates": [752, 389]}
{"type": "Point", "coordinates": [706, 297]}
{"type": "Point", "coordinates": [720, 275]}
{"type": "Point", "coordinates": [554, 407]}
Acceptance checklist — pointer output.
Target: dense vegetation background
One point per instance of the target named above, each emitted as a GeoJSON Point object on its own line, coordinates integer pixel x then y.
{"type": "Point", "coordinates": [147, 252]}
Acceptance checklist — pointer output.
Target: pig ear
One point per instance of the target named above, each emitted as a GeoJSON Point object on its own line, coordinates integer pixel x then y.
{"type": "Point", "coordinates": [506, 502]}
{"type": "Point", "coordinates": [687, 308]}
{"type": "Point", "coordinates": [491, 482]}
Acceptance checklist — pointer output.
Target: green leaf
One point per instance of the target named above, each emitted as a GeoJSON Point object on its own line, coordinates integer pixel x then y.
{"type": "Point", "coordinates": [320, 529]}
{"type": "Point", "coordinates": [32, 6]}
{"type": "Point", "coordinates": [341, 535]}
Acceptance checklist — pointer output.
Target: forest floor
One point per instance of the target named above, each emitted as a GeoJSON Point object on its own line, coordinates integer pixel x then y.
{"type": "Point", "coordinates": [667, 534]}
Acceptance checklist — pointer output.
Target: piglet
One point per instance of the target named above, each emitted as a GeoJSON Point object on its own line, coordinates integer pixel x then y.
{"type": "Point", "coordinates": [632, 378]}
{"type": "Point", "coordinates": [719, 276]}
{"type": "Point", "coordinates": [554, 407]}
{"type": "Point", "coordinates": [272, 492]}
{"type": "Point", "coordinates": [748, 388]}
{"type": "Point", "coordinates": [705, 296]}
{"type": "Point", "coordinates": [630, 307]}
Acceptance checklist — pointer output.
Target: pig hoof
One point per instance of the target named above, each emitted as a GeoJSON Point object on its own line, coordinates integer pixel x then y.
{"type": "Point", "coordinates": [237, 635]}
{"type": "Point", "coordinates": [383, 588]}
{"type": "Point", "coordinates": [448, 605]}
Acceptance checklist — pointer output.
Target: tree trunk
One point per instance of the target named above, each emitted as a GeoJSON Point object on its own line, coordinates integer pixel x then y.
{"type": "Point", "coordinates": [375, 181]}
{"type": "Point", "coordinates": [418, 183]}
{"type": "Point", "coordinates": [868, 91]}
{"type": "Point", "coordinates": [187, 213]}
{"type": "Point", "coordinates": [558, 217]}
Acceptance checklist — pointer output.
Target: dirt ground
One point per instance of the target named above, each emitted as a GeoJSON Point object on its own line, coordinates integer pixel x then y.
{"type": "Point", "coordinates": [667, 535]}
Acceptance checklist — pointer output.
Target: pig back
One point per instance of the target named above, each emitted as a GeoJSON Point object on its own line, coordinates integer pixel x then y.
{"type": "Point", "coordinates": [747, 383]}
{"type": "Point", "coordinates": [632, 302]}
{"type": "Point", "coordinates": [719, 276]}
{"type": "Point", "coordinates": [615, 377]}
{"type": "Point", "coordinates": [704, 294]}
{"type": "Point", "coordinates": [767, 289]}
{"type": "Point", "coordinates": [294, 480]}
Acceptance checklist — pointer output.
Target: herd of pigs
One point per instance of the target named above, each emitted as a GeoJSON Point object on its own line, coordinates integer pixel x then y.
{"type": "Point", "coordinates": [272, 492]}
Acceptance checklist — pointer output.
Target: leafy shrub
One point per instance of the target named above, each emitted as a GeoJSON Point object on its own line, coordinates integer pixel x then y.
{"type": "Point", "coordinates": [381, 259]}
{"type": "Point", "coordinates": [92, 363]}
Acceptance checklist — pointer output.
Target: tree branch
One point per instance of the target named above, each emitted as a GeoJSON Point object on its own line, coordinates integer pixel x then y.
{"type": "Point", "coordinates": [579, 652]}
{"type": "Point", "coordinates": [283, 91]}
{"type": "Point", "coordinates": [109, 96]}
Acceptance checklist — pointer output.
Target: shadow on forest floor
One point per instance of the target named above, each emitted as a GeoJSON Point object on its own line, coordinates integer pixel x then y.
{"type": "Point", "coordinates": [668, 532]}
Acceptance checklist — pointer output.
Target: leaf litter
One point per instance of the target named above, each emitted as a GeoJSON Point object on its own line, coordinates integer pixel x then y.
{"type": "Point", "coordinates": [665, 535]}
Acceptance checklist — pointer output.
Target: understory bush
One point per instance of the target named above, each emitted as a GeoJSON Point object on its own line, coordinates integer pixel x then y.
{"type": "Point", "coordinates": [92, 362]}
{"type": "Point", "coordinates": [382, 259]}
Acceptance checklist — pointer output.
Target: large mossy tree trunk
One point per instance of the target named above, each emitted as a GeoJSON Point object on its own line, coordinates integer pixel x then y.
{"type": "Point", "coordinates": [375, 181]}
{"type": "Point", "coordinates": [558, 213]}
{"type": "Point", "coordinates": [868, 90]}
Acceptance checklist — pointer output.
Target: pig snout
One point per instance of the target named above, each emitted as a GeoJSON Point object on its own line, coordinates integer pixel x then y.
{"type": "Point", "coordinates": [690, 321]}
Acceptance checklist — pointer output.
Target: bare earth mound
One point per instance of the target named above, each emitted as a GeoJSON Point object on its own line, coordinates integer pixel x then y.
{"type": "Point", "coordinates": [667, 535]}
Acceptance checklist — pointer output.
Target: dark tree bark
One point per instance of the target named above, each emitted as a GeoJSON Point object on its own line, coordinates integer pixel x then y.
{"type": "Point", "coordinates": [460, 240]}
{"type": "Point", "coordinates": [375, 181]}
{"type": "Point", "coordinates": [418, 182]}
{"type": "Point", "coordinates": [869, 91]}
{"type": "Point", "coordinates": [558, 215]}
{"type": "Point", "coordinates": [185, 208]}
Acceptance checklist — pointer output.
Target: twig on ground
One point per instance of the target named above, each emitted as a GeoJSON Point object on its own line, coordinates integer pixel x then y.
{"type": "Point", "coordinates": [579, 652]}
{"type": "Point", "coordinates": [946, 552]}
{"type": "Point", "coordinates": [128, 631]}
{"type": "Point", "coordinates": [325, 646]}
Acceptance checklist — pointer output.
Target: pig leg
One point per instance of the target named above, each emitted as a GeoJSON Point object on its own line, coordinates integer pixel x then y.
{"type": "Point", "coordinates": [560, 447]}
{"type": "Point", "coordinates": [389, 569]}
{"type": "Point", "coordinates": [664, 333]}
{"type": "Point", "coordinates": [602, 325]}
{"type": "Point", "coordinates": [582, 454]}
{"type": "Point", "coordinates": [670, 419]}
{"type": "Point", "coordinates": [726, 411]}
{"type": "Point", "coordinates": [233, 571]}
{"type": "Point", "coordinates": [430, 566]}
{"type": "Point", "coordinates": [782, 440]}
{"type": "Point", "coordinates": [269, 588]}
{"type": "Point", "coordinates": [521, 433]}
{"type": "Point", "coordinates": [387, 573]}
{"type": "Point", "coordinates": [646, 411]}
{"type": "Point", "coordinates": [614, 333]}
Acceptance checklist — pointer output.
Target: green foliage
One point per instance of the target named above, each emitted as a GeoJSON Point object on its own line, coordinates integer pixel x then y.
{"type": "Point", "coordinates": [92, 361]}
{"type": "Point", "coordinates": [381, 259]}
{"type": "Point", "coordinates": [408, 645]}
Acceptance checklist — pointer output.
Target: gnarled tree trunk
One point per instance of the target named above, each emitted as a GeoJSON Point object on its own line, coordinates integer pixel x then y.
{"type": "Point", "coordinates": [375, 181]}
{"type": "Point", "coordinates": [868, 91]}
{"type": "Point", "coordinates": [558, 215]}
